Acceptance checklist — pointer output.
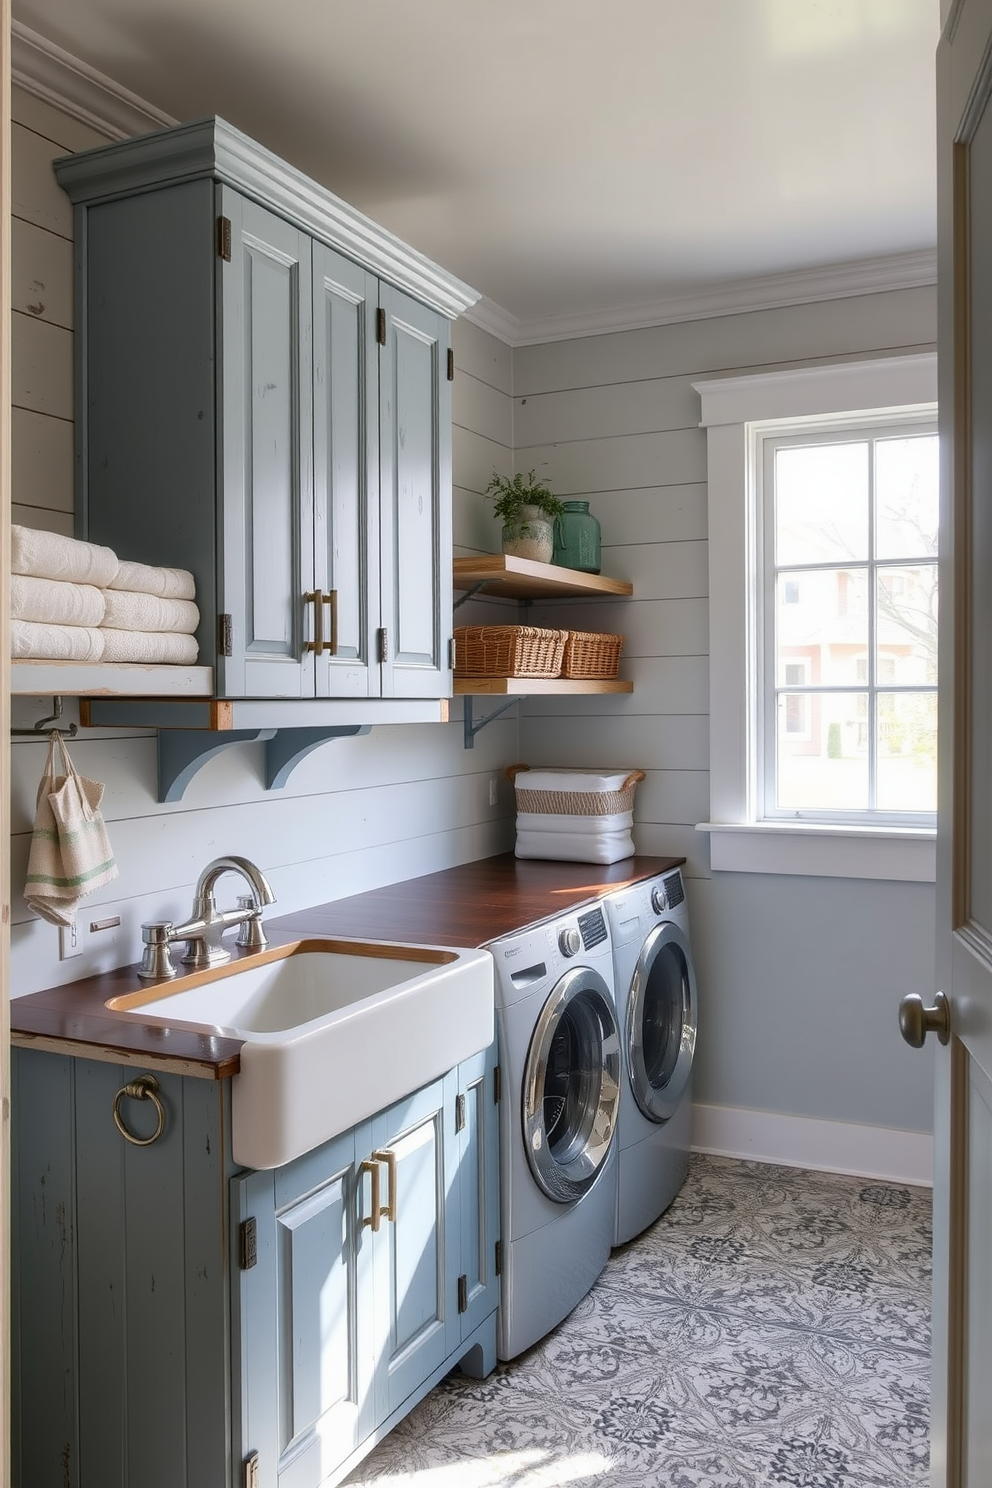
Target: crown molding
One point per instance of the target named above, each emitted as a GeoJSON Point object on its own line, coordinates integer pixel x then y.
{"type": "Point", "coordinates": [47, 72]}
{"type": "Point", "coordinates": [489, 316]}
{"type": "Point", "coordinates": [743, 296]}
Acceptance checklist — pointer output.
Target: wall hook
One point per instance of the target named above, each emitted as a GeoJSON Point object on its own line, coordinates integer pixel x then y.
{"type": "Point", "coordinates": [48, 725]}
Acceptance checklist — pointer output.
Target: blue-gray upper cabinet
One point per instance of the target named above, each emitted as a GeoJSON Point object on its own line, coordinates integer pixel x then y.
{"type": "Point", "coordinates": [263, 397]}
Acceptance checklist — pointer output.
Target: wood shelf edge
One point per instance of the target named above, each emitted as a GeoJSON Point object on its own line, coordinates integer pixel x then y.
{"type": "Point", "coordinates": [516, 578]}
{"type": "Point", "coordinates": [540, 686]}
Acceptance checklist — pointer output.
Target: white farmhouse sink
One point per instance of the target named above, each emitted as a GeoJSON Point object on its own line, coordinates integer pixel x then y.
{"type": "Point", "coordinates": [333, 1030]}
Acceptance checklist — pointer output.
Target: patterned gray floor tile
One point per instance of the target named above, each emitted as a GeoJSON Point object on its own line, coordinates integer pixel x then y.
{"type": "Point", "coordinates": [771, 1329]}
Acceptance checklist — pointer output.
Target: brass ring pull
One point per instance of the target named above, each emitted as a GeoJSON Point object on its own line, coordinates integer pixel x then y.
{"type": "Point", "coordinates": [388, 1211]}
{"type": "Point", "coordinates": [145, 1087]}
{"type": "Point", "coordinates": [372, 1220]}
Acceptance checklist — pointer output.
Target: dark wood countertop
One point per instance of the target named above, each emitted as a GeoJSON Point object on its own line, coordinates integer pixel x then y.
{"type": "Point", "coordinates": [464, 906]}
{"type": "Point", "coordinates": [471, 904]}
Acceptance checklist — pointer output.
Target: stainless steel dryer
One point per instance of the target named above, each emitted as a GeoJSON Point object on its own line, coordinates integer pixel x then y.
{"type": "Point", "coordinates": [560, 1064]}
{"type": "Point", "coordinates": [656, 1009]}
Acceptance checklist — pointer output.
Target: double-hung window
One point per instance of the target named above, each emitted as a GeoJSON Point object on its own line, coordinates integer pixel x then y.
{"type": "Point", "coordinates": [823, 496]}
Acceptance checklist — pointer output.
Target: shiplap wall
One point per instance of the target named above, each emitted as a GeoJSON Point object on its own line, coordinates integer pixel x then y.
{"type": "Point", "coordinates": [799, 978]}
{"type": "Point", "coordinates": [357, 813]}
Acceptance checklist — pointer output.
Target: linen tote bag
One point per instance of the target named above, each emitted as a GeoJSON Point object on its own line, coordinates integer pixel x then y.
{"type": "Point", "coordinates": [70, 851]}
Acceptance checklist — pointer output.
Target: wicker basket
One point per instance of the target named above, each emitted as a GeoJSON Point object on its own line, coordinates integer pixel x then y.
{"type": "Point", "coordinates": [573, 802]}
{"type": "Point", "coordinates": [508, 651]}
{"type": "Point", "coordinates": [591, 654]}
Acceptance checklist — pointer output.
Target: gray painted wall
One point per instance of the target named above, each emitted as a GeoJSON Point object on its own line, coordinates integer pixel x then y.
{"type": "Point", "coordinates": [799, 977]}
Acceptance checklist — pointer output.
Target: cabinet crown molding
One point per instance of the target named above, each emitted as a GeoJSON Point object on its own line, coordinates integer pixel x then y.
{"type": "Point", "coordinates": [212, 148]}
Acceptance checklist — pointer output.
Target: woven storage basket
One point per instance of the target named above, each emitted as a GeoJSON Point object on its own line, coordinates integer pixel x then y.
{"type": "Point", "coordinates": [582, 816]}
{"type": "Point", "coordinates": [508, 651]}
{"type": "Point", "coordinates": [591, 654]}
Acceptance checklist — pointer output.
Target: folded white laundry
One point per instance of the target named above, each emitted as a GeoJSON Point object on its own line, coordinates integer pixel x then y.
{"type": "Point", "coordinates": [48, 555]}
{"type": "Point", "coordinates": [153, 647]}
{"type": "Point", "coordinates": [31, 639]}
{"type": "Point", "coordinates": [54, 602]}
{"type": "Point", "coordinates": [126, 609]}
{"type": "Point", "coordinates": [167, 583]}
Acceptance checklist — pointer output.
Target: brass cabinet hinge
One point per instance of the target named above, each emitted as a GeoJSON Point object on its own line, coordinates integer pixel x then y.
{"type": "Point", "coordinates": [460, 1116]}
{"type": "Point", "coordinates": [382, 635]}
{"type": "Point", "coordinates": [225, 635]}
{"type": "Point", "coordinates": [497, 1085]}
{"type": "Point", "coordinates": [499, 1257]}
{"type": "Point", "coordinates": [247, 1244]}
{"type": "Point", "coordinates": [463, 1294]}
{"type": "Point", "coordinates": [380, 326]}
{"type": "Point", "coordinates": [252, 1478]}
{"type": "Point", "coordinates": [224, 238]}
{"type": "Point", "coordinates": [451, 364]}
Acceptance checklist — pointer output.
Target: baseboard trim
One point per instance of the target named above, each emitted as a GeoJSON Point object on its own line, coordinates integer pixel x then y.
{"type": "Point", "coordinates": [802, 1142]}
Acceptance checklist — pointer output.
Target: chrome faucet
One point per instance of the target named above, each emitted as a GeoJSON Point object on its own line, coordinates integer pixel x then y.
{"type": "Point", "coordinates": [203, 930]}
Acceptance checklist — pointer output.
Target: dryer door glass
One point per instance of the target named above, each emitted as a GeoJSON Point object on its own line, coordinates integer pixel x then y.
{"type": "Point", "coordinates": [661, 1022]}
{"type": "Point", "coordinates": [572, 1085]}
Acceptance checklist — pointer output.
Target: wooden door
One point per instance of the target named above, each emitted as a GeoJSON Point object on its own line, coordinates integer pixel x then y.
{"type": "Point", "coordinates": [265, 516]}
{"type": "Point", "coordinates": [415, 1294]}
{"type": "Point", "coordinates": [415, 481]}
{"type": "Point", "coordinates": [301, 1316]}
{"type": "Point", "coordinates": [961, 1450]}
{"type": "Point", "coordinates": [346, 473]}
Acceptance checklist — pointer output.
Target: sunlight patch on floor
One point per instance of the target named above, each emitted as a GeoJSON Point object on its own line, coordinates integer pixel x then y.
{"type": "Point", "coordinates": [505, 1470]}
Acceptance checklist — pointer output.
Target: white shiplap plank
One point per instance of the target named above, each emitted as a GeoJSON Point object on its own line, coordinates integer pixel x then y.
{"type": "Point", "coordinates": [651, 627]}
{"type": "Point", "coordinates": [36, 195]}
{"type": "Point", "coordinates": [474, 528]}
{"type": "Point", "coordinates": [902, 319]}
{"type": "Point", "coordinates": [663, 570]}
{"type": "Point", "coordinates": [644, 743]}
{"type": "Point", "coordinates": [475, 457]}
{"type": "Point", "coordinates": [41, 274]}
{"type": "Point", "coordinates": [639, 460]}
{"type": "Point", "coordinates": [477, 406]}
{"type": "Point", "coordinates": [65, 135]}
{"type": "Point", "coordinates": [41, 464]}
{"type": "Point", "coordinates": [42, 367]}
{"type": "Point", "coordinates": [482, 355]}
{"type": "Point", "coordinates": [638, 407]}
{"type": "Point", "coordinates": [662, 684]}
{"type": "Point", "coordinates": [42, 519]}
{"type": "Point", "coordinates": [662, 513]}
{"type": "Point", "coordinates": [663, 838]}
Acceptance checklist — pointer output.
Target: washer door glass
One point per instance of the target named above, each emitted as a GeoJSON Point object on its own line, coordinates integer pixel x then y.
{"type": "Point", "coordinates": [571, 1094]}
{"type": "Point", "coordinates": [661, 1022]}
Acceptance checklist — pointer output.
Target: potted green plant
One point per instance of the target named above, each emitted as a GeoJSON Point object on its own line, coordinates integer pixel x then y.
{"type": "Point", "coordinates": [527, 507]}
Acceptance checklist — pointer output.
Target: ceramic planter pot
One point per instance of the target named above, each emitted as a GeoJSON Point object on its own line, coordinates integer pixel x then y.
{"type": "Point", "coordinates": [532, 536]}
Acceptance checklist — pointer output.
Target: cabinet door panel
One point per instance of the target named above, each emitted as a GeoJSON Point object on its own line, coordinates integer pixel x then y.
{"type": "Point", "coordinates": [306, 1372]}
{"type": "Point", "coordinates": [415, 477]}
{"type": "Point", "coordinates": [267, 479]}
{"type": "Point", "coordinates": [346, 470]}
{"type": "Point", "coordinates": [415, 1294]}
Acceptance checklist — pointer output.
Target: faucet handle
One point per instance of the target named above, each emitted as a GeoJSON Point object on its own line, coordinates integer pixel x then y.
{"type": "Point", "coordinates": [156, 963]}
{"type": "Point", "coordinates": [251, 935]}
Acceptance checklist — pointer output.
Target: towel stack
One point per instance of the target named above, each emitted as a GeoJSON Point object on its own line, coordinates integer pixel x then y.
{"type": "Point", "coordinates": [76, 601]}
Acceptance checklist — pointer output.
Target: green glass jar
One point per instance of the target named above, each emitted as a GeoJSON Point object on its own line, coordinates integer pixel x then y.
{"type": "Point", "coordinates": [578, 538]}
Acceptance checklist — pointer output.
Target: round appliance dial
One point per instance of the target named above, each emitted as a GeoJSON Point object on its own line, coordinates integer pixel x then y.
{"type": "Point", "coordinates": [659, 899]}
{"type": "Point", "coordinates": [569, 941]}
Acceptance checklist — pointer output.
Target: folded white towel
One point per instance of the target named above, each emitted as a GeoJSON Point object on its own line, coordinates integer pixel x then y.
{"type": "Point", "coordinates": [129, 610]}
{"type": "Point", "coordinates": [30, 639]}
{"type": "Point", "coordinates": [55, 603]}
{"type": "Point", "coordinates": [48, 555]}
{"type": "Point", "coordinates": [148, 646]}
{"type": "Point", "coordinates": [167, 583]}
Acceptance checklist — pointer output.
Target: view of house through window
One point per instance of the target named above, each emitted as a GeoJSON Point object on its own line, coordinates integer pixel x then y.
{"type": "Point", "coordinates": [848, 631]}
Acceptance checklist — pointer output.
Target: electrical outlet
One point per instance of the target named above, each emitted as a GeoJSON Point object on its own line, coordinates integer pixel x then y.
{"type": "Point", "coordinates": [493, 791]}
{"type": "Point", "coordinates": [70, 942]}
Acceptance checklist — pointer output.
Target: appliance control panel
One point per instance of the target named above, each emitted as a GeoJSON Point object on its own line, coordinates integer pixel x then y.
{"type": "Point", "coordinates": [592, 927]}
{"type": "Point", "coordinates": [569, 941]}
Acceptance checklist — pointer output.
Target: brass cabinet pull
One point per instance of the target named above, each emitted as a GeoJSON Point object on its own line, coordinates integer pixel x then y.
{"type": "Point", "coordinates": [145, 1087]}
{"type": "Point", "coordinates": [316, 598]}
{"type": "Point", "coordinates": [389, 1158]}
{"type": "Point", "coordinates": [372, 1221]}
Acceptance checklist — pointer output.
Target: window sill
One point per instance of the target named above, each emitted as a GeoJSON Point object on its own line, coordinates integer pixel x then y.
{"type": "Point", "coordinates": [906, 854]}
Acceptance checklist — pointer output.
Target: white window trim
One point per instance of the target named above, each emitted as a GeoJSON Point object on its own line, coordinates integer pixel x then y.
{"type": "Point", "coordinates": [730, 408]}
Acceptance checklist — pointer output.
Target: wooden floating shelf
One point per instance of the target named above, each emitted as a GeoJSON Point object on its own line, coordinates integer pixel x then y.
{"type": "Point", "coordinates": [538, 686]}
{"type": "Point", "coordinates": [109, 679]}
{"type": "Point", "coordinates": [522, 578]}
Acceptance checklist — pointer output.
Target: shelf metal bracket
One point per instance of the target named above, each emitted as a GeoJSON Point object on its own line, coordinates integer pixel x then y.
{"type": "Point", "coordinates": [471, 727]}
{"type": "Point", "coordinates": [470, 593]}
{"type": "Point", "coordinates": [183, 752]}
{"type": "Point", "coordinates": [287, 747]}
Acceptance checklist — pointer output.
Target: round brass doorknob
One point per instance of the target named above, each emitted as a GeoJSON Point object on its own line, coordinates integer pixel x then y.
{"type": "Point", "coordinates": [916, 1021]}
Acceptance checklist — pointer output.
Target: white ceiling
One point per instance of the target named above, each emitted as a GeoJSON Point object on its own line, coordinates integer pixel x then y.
{"type": "Point", "coordinates": [566, 157]}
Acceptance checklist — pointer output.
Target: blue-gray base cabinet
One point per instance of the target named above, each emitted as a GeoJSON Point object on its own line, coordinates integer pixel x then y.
{"type": "Point", "coordinates": [180, 1322]}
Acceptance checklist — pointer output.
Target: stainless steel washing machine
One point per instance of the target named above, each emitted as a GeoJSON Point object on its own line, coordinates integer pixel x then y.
{"type": "Point", "coordinates": [655, 984]}
{"type": "Point", "coordinates": [560, 1068]}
